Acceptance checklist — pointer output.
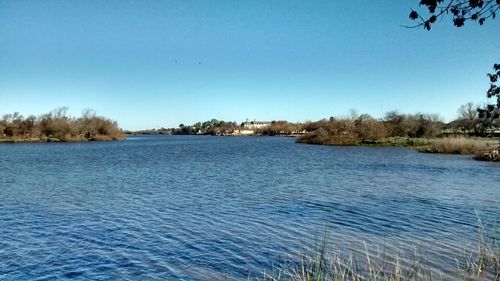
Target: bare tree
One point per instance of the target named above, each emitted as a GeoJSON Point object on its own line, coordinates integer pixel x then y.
{"type": "Point", "coordinates": [468, 117]}
{"type": "Point", "coordinates": [60, 112]}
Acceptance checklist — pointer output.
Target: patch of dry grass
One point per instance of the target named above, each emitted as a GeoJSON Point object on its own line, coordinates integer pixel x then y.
{"type": "Point", "coordinates": [458, 145]}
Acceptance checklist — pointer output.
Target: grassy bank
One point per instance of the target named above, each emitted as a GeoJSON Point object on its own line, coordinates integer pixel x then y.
{"type": "Point", "coordinates": [459, 145]}
{"type": "Point", "coordinates": [479, 262]}
{"type": "Point", "coordinates": [423, 132]}
{"type": "Point", "coordinates": [486, 149]}
{"type": "Point", "coordinates": [480, 148]}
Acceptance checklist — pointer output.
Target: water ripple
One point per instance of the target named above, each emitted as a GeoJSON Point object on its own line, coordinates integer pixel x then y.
{"type": "Point", "coordinates": [196, 208]}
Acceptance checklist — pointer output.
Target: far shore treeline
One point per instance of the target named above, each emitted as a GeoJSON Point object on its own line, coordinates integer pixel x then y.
{"type": "Point", "coordinates": [353, 129]}
{"type": "Point", "coordinates": [470, 133]}
{"type": "Point", "coordinates": [57, 126]}
{"type": "Point", "coordinates": [216, 127]}
{"type": "Point", "coordinates": [425, 132]}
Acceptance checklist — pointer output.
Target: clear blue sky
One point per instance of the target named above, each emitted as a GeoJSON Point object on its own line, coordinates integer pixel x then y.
{"type": "Point", "coordinates": [158, 63]}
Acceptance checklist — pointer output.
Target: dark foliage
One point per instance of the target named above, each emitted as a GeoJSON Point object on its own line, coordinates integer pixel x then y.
{"type": "Point", "coordinates": [461, 11]}
{"type": "Point", "coordinates": [210, 127]}
{"type": "Point", "coordinates": [490, 114]}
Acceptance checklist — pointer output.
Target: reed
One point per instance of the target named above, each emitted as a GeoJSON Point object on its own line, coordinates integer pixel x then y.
{"type": "Point", "coordinates": [481, 262]}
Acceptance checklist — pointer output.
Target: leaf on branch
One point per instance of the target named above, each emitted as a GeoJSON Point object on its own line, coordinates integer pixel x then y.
{"type": "Point", "coordinates": [481, 21]}
{"type": "Point", "coordinates": [413, 15]}
{"type": "Point", "coordinates": [427, 25]}
{"type": "Point", "coordinates": [430, 4]}
{"type": "Point", "coordinates": [476, 3]}
{"type": "Point", "coordinates": [492, 91]}
{"type": "Point", "coordinates": [433, 19]}
{"type": "Point", "coordinates": [459, 22]}
{"type": "Point", "coordinates": [493, 78]}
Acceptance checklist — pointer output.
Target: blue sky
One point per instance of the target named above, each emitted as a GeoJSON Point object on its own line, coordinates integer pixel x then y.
{"type": "Point", "coordinates": [159, 63]}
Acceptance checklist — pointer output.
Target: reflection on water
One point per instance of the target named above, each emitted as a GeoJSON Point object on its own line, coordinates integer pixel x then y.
{"type": "Point", "coordinates": [194, 207]}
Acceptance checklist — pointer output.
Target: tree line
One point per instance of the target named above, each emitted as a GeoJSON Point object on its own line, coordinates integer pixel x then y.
{"type": "Point", "coordinates": [58, 126]}
{"type": "Point", "coordinates": [358, 128]}
{"type": "Point", "coordinates": [209, 127]}
{"type": "Point", "coordinates": [362, 128]}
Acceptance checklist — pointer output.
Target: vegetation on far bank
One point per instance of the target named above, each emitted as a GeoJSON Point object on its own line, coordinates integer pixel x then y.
{"type": "Point", "coordinates": [469, 134]}
{"type": "Point", "coordinates": [56, 126]}
{"type": "Point", "coordinates": [216, 127]}
{"type": "Point", "coordinates": [426, 132]}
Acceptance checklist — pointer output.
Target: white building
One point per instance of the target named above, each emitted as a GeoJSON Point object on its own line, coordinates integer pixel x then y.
{"type": "Point", "coordinates": [252, 125]}
{"type": "Point", "coordinates": [243, 132]}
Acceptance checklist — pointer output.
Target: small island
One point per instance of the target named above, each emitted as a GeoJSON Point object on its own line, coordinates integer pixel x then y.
{"type": "Point", "coordinates": [57, 126]}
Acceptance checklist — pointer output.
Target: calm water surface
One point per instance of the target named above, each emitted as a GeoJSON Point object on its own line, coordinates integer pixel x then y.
{"type": "Point", "coordinates": [192, 207]}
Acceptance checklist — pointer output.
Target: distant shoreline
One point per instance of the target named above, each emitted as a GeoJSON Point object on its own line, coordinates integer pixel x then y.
{"type": "Point", "coordinates": [210, 135]}
{"type": "Point", "coordinates": [480, 148]}
{"type": "Point", "coordinates": [57, 140]}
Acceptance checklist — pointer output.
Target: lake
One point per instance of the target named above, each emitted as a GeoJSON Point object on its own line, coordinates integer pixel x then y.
{"type": "Point", "coordinates": [201, 207]}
